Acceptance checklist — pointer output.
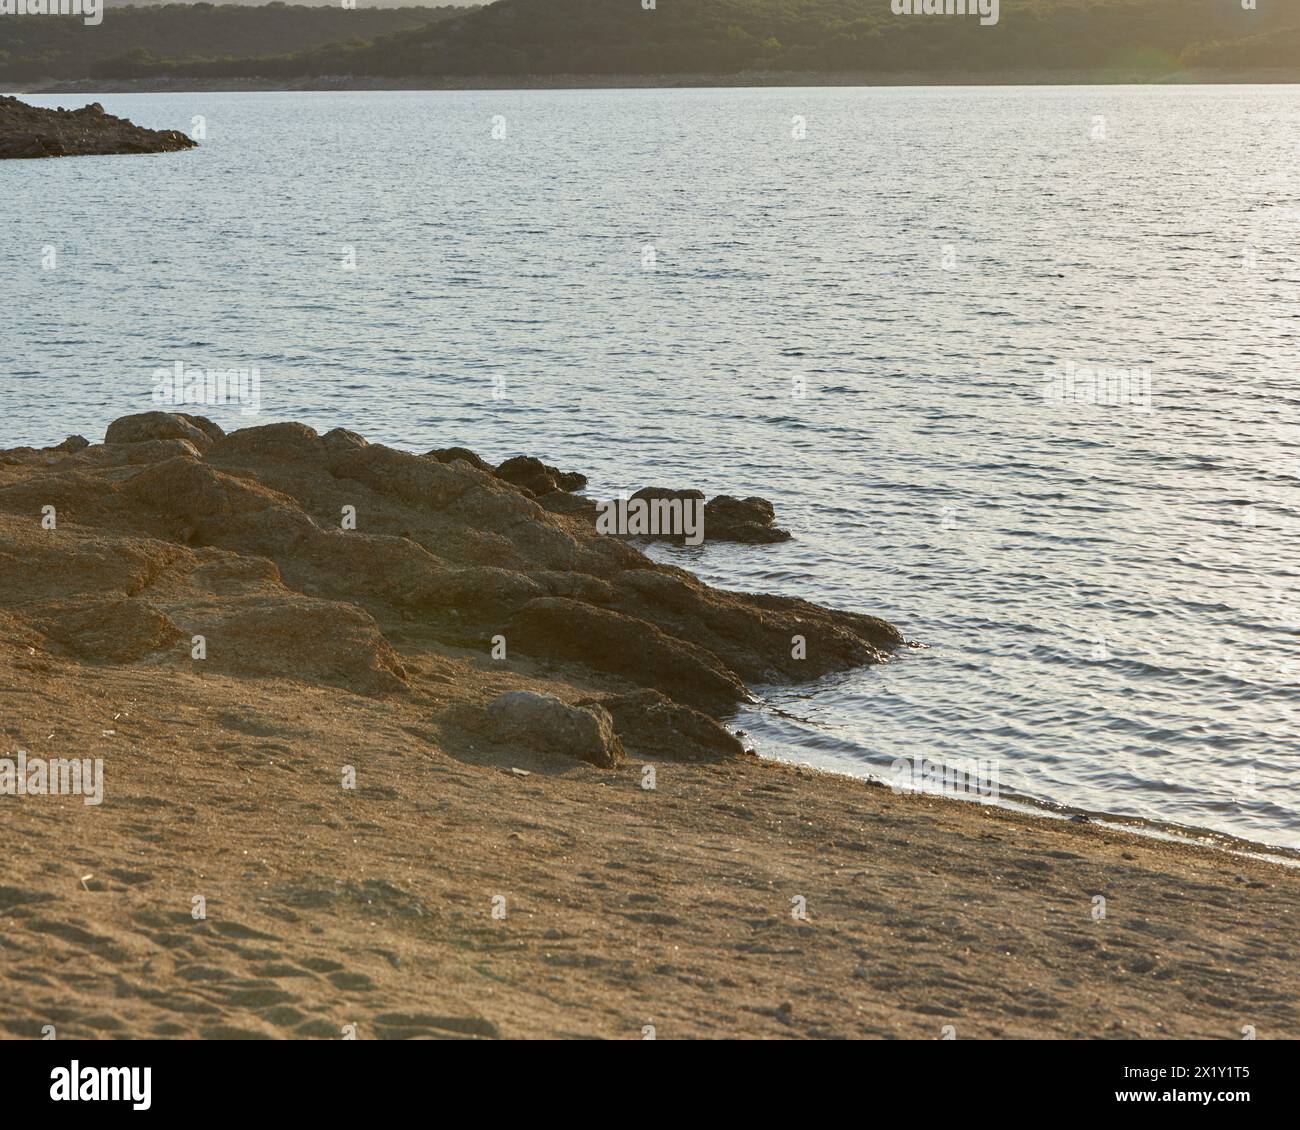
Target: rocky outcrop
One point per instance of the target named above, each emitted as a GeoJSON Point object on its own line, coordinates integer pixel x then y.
{"type": "Point", "coordinates": [749, 520]}
{"type": "Point", "coordinates": [451, 454]}
{"type": "Point", "coordinates": [653, 726]}
{"type": "Point", "coordinates": [616, 643]}
{"type": "Point", "coordinates": [329, 560]}
{"type": "Point", "coordinates": [112, 628]}
{"type": "Point", "coordinates": [164, 425]}
{"type": "Point", "coordinates": [72, 443]}
{"type": "Point", "coordinates": [537, 478]}
{"type": "Point", "coordinates": [30, 131]}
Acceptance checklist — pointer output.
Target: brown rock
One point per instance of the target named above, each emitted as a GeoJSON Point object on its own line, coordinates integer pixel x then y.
{"type": "Point", "coordinates": [299, 637]}
{"type": "Point", "coordinates": [281, 443]}
{"type": "Point", "coordinates": [451, 454]}
{"type": "Point", "coordinates": [653, 726]}
{"type": "Point", "coordinates": [111, 629]}
{"type": "Point", "coordinates": [543, 722]}
{"type": "Point", "coordinates": [31, 131]}
{"type": "Point", "coordinates": [537, 478]}
{"type": "Point", "coordinates": [749, 520]}
{"type": "Point", "coordinates": [622, 645]}
{"type": "Point", "coordinates": [72, 443]}
{"type": "Point", "coordinates": [163, 425]}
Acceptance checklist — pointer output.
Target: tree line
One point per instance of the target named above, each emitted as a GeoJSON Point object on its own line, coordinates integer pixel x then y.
{"type": "Point", "coordinates": [175, 35]}
{"type": "Point", "coordinates": [615, 37]}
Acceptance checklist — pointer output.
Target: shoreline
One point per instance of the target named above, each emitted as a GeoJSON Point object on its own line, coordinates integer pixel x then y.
{"type": "Point", "coordinates": [1168, 831]}
{"type": "Point", "coordinates": [372, 841]}
{"type": "Point", "coordinates": [742, 80]}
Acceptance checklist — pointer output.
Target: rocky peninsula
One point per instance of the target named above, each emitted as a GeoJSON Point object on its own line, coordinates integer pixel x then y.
{"type": "Point", "coordinates": [398, 744]}
{"type": "Point", "coordinates": [30, 131]}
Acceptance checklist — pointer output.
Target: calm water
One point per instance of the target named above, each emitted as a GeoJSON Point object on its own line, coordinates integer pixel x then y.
{"type": "Point", "coordinates": [1109, 595]}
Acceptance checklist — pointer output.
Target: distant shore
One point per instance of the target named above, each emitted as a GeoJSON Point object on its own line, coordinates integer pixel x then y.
{"type": "Point", "coordinates": [30, 131]}
{"type": "Point", "coordinates": [185, 84]}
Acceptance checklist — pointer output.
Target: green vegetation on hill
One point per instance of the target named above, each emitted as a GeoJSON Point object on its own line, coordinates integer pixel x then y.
{"type": "Point", "coordinates": [620, 37]}
{"type": "Point", "coordinates": [617, 37]}
{"type": "Point", "coordinates": [64, 47]}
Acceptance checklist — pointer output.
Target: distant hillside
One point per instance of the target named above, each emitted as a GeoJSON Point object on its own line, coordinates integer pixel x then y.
{"type": "Point", "coordinates": [64, 47]}
{"type": "Point", "coordinates": [600, 36]}
{"type": "Point", "coordinates": [538, 38]}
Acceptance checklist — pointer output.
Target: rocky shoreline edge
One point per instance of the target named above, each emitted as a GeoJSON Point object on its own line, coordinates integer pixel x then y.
{"type": "Point", "coordinates": [334, 561]}
{"type": "Point", "coordinates": [32, 131]}
{"type": "Point", "coordinates": [335, 804]}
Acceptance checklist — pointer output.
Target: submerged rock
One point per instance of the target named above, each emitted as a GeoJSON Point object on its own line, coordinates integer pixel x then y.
{"type": "Point", "coordinates": [30, 131]}
{"type": "Point", "coordinates": [749, 520]}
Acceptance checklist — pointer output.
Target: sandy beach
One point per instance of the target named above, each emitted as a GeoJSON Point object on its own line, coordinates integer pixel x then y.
{"type": "Point", "coordinates": [321, 829]}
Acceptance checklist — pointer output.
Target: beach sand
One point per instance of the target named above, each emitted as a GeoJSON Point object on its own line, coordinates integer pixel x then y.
{"type": "Point", "coordinates": [470, 887]}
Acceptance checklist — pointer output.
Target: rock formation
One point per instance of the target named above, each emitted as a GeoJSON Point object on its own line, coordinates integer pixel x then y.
{"type": "Point", "coordinates": [276, 552]}
{"type": "Point", "coordinates": [30, 131]}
